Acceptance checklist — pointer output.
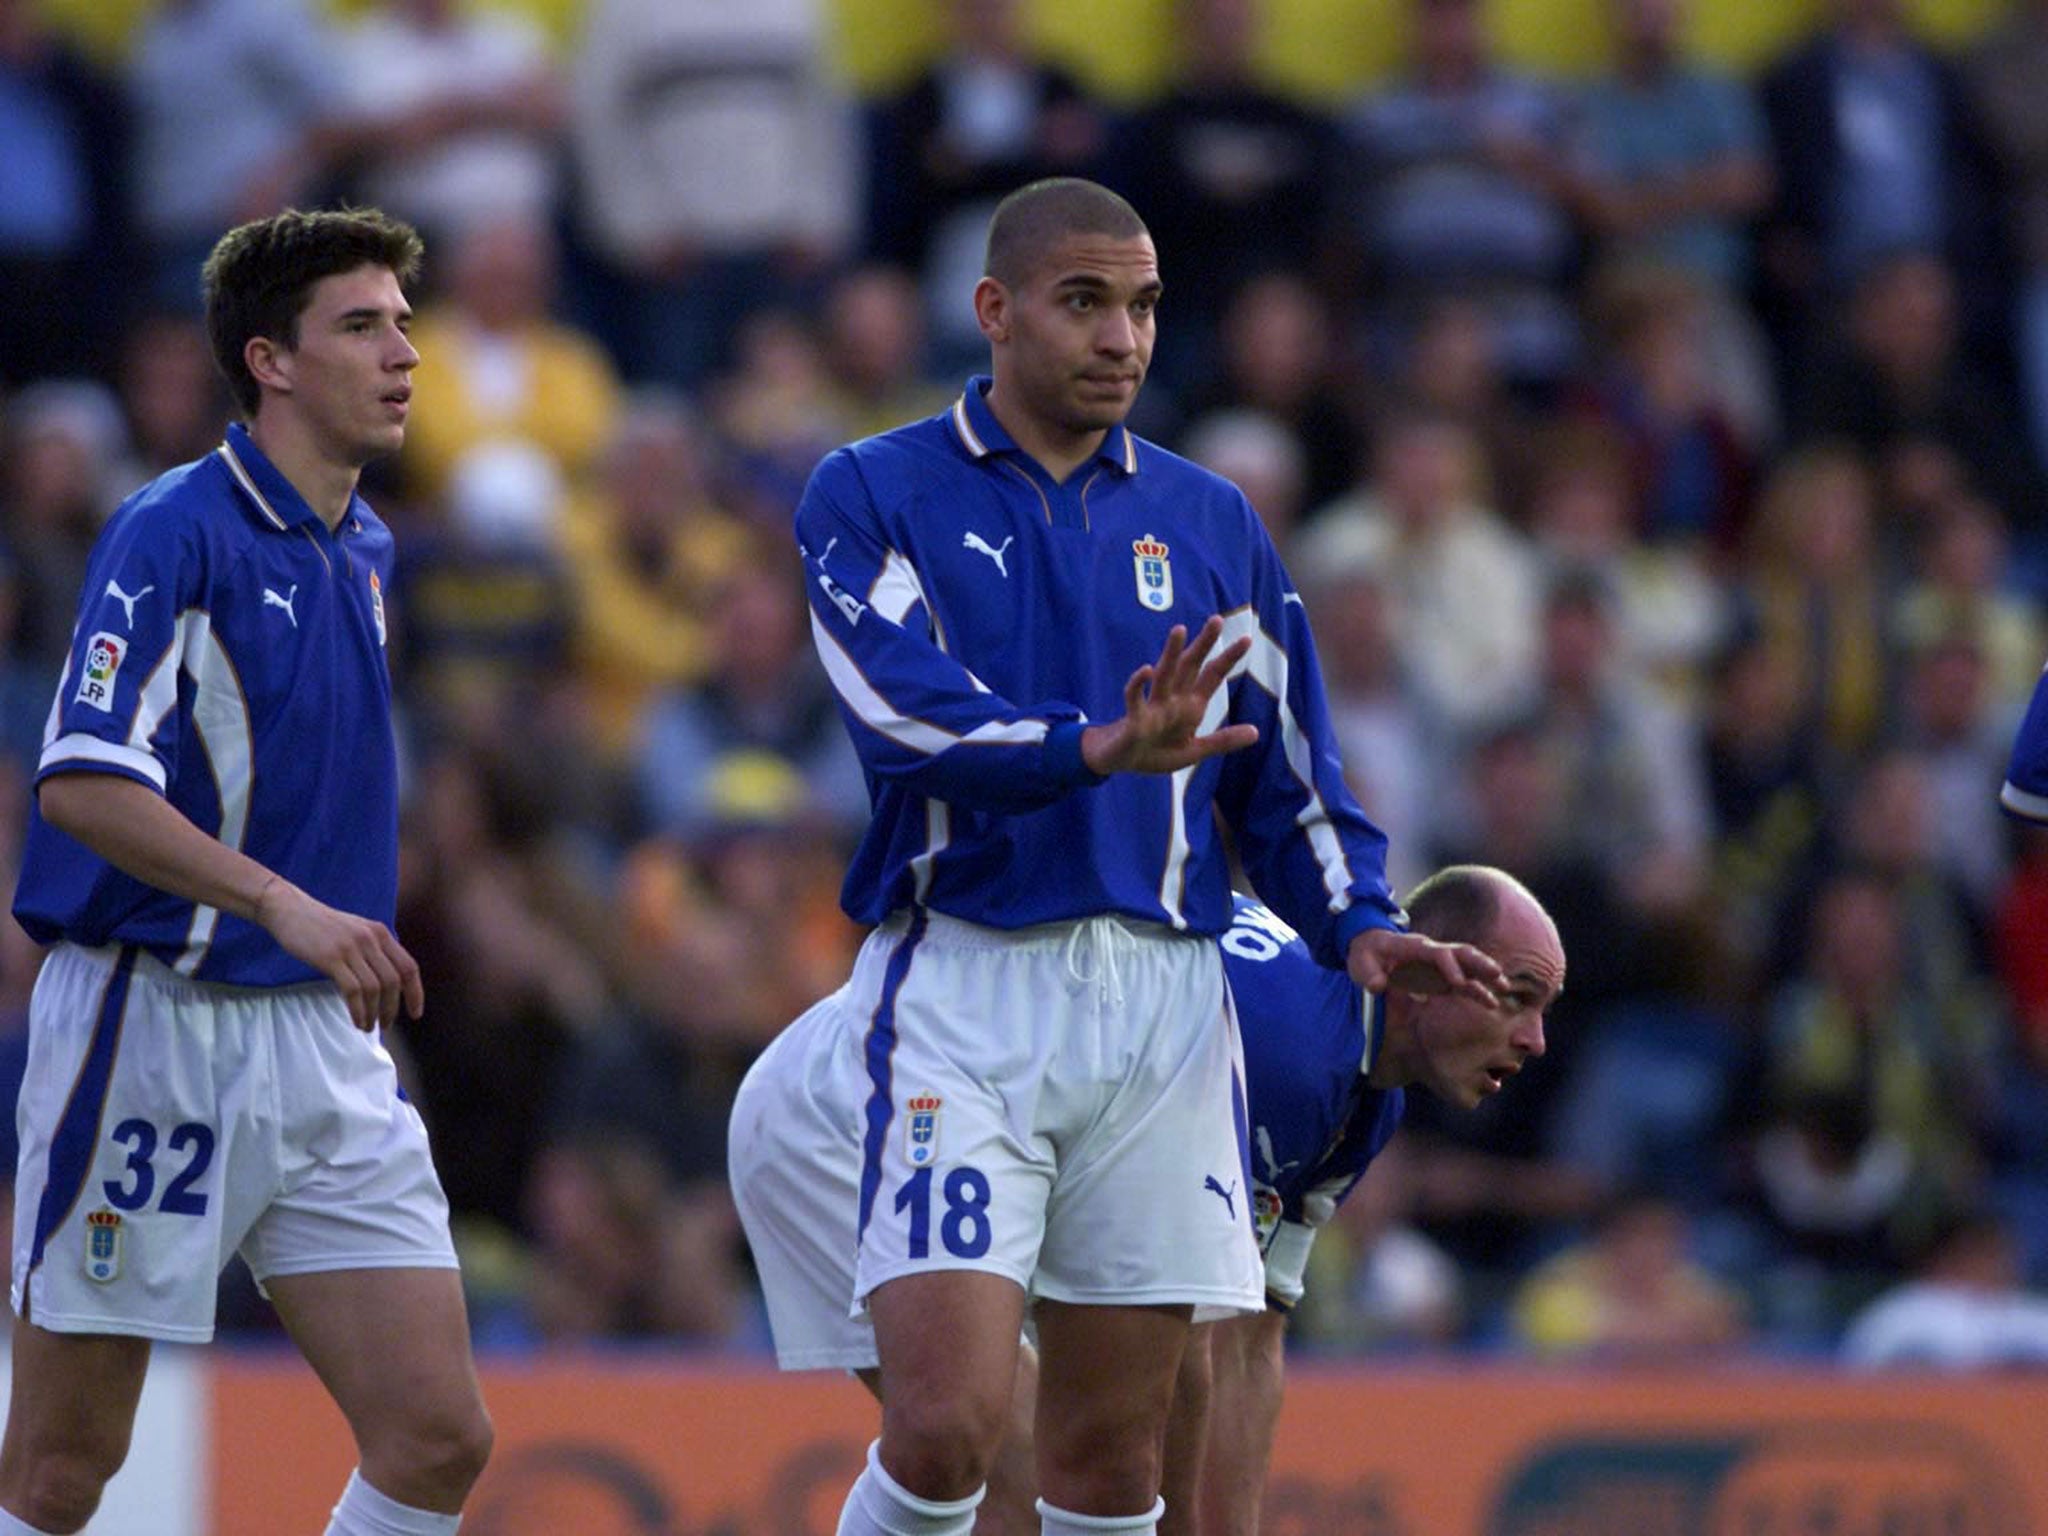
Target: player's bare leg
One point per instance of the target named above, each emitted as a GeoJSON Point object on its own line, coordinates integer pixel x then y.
{"type": "Point", "coordinates": [1105, 1386]}
{"type": "Point", "coordinates": [1011, 1507]}
{"type": "Point", "coordinates": [68, 1423]}
{"type": "Point", "coordinates": [1187, 1431]}
{"type": "Point", "coordinates": [392, 1348]}
{"type": "Point", "coordinates": [949, 1344]}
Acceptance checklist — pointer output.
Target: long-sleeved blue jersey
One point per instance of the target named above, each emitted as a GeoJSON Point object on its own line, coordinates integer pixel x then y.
{"type": "Point", "coordinates": [2025, 792]}
{"type": "Point", "coordinates": [973, 616]}
{"type": "Point", "coordinates": [1310, 1036]}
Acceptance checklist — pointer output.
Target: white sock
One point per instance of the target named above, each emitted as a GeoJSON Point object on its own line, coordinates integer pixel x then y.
{"type": "Point", "coordinates": [10, 1526]}
{"type": "Point", "coordinates": [880, 1506]}
{"type": "Point", "coordinates": [363, 1511]}
{"type": "Point", "coordinates": [1062, 1522]}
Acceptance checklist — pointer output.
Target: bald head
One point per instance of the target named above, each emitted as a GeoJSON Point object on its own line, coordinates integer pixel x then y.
{"type": "Point", "coordinates": [1460, 903]}
{"type": "Point", "coordinates": [1032, 221]}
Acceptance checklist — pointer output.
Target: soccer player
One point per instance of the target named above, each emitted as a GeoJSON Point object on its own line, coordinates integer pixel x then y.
{"type": "Point", "coordinates": [1326, 1066]}
{"type": "Point", "coordinates": [1054, 1096]}
{"type": "Point", "coordinates": [213, 856]}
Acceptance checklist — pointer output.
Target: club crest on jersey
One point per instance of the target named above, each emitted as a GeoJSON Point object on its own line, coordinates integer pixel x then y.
{"type": "Point", "coordinates": [102, 1245]}
{"type": "Point", "coordinates": [104, 654]}
{"type": "Point", "coordinates": [1155, 573]}
{"type": "Point", "coordinates": [377, 605]}
{"type": "Point", "coordinates": [921, 1130]}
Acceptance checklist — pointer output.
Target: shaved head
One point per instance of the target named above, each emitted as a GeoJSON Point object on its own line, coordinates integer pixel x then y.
{"type": "Point", "coordinates": [1459, 903]}
{"type": "Point", "coordinates": [1033, 220]}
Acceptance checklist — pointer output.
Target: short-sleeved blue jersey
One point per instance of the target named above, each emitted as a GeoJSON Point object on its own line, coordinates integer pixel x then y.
{"type": "Point", "coordinates": [974, 615]}
{"type": "Point", "coordinates": [2025, 792]}
{"type": "Point", "coordinates": [1310, 1035]}
{"type": "Point", "coordinates": [229, 653]}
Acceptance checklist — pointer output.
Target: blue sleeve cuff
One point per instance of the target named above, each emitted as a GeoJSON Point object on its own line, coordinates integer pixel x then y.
{"type": "Point", "coordinates": [1063, 756]}
{"type": "Point", "coordinates": [1361, 915]}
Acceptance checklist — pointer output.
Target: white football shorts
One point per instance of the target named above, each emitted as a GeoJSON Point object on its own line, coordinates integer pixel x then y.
{"type": "Point", "coordinates": [1061, 1105]}
{"type": "Point", "coordinates": [794, 1158]}
{"type": "Point", "coordinates": [166, 1124]}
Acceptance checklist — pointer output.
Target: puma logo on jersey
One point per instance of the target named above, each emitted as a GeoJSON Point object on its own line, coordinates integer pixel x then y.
{"type": "Point", "coordinates": [980, 546]}
{"type": "Point", "coordinates": [1227, 1196]}
{"type": "Point", "coordinates": [128, 603]}
{"type": "Point", "coordinates": [1263, 1140]}
{"type": "Point", "coordinates": [272, 600]}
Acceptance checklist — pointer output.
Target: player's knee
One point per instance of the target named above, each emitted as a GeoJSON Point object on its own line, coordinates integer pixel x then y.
{"type": "Point", "coordinates": [1113, 1467]}
{"type": "Point", "coordinates": [62, 1488]}
{"type": "Point", "coordinates": [940, 1448]}
{"type": "Point", "coordinates": [442, 1452]}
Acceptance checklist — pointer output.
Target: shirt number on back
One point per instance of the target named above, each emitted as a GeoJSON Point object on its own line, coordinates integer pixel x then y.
{"type": "Point", "coordinates": [964, 1229]}
{"type": "Point", "coordinates": [132, 1190]}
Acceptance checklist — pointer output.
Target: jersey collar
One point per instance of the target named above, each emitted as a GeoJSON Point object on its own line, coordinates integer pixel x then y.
{"type": "Point", "coordinates": [262, 483]}
{"type": "Point", "coordinates": [980, 434]}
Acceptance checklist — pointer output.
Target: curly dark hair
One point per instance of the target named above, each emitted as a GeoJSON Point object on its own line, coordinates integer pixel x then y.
{"type": "Point", "coordinates": [260, 277]}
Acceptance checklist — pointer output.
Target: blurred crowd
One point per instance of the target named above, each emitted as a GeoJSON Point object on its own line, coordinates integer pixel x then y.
{"type": "Point", "coordinates": [1660, 454]}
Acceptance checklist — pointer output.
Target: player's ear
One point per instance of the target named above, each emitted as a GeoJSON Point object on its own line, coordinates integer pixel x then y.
{"type": "Point", "coordinates": [268, 363]}
{"type": "Point", "coordinates": [992, 309]}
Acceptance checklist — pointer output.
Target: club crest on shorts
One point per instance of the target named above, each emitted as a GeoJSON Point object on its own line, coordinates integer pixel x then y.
{"type": "Point", "coordinates": [102, 1245]}
{"type": "Point", "coordinates": [103, 656]}
{"type": "Point", "coordinates": [921, 1130]}
{"type": "Point", "coordinates": [1155, 573]}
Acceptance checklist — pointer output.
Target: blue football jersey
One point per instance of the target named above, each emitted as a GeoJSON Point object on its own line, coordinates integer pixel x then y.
{"type": "Point", "coordinates": [229, 653]}
{"type": "Point", "coordinates": [2025, 792]}
{"type": "Point", "coordinates": [1310, 1035]}
{"type": "Point", "coordinates": [974, 615]}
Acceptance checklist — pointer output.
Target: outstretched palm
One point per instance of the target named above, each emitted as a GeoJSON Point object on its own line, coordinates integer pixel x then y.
{"type": "Point", "coordinates": [1164, 702]}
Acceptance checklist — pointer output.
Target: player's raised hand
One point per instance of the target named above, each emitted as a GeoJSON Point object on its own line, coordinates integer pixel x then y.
{"type": "Point", "coordinates": [362, 957]}
{"type": "Point", "coordinates": [1164, 702]}
{"type": "Point", "coordinates": [1412, 962]}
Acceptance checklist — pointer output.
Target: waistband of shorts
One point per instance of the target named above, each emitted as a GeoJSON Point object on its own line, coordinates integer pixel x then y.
{"type": "Point", "coordinates": [948, 932]}
{"type": "Point", "coordinates": [161, 977]}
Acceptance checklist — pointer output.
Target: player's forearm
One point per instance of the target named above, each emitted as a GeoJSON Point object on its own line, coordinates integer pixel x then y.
{"type": "Point", "coordinates": [144, 836]}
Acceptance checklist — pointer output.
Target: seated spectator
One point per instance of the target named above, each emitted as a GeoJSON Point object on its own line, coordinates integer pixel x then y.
{"type": "Point", "coordinates": [1466, 584]}
{"type": "Point", "coordinates": [1672, 166]}
{"type": "Point", "coordinates": [1815, 590]}
{"type": "Point", "coordinates": [982, 119]}
{"type": "Point", "coordinates": [1277, 357]}
{"type": "Point", "coordinates": [64, 203]}
{"type": "Point", "coordinates": [1948, 719]}
{"type": "Point", "coordinates": [1669, 609]}
{"type": "Point", "coordinates": [173, 398]}
{"type": "Point", "coordinates": [63, 443]}
{"type": "Point", "coordinates": [1965, 1309]}
{"type": "Point", "coordinates": [645, 548]}
{"type": "Point", "coordinates": [764, 692]}
{"type": "Point", "coordinates": [2003, 74]}
{"type": "Point", "coordinates": [500, 367]}
{"type": "Point", "coordinates": [1395, 755]}
{"type": "Point", "coordinates": [1260, 456]}
{"type": "Point", "coordinates": [776, 412]}
{"type": "Point", "coordinates": [239, 111]}
{"type": "Point", "coordinates": [1690, 468]}
{"type": "Point", "coordinates": [1231, 175]}
{"type": "Point", "coordinates": [1899, 375]}
{"type": "Point", "coordinates": [458, 115]}
{"type": "Point", "coordinates": [1876, 152]}
{"type": "Point", "coordinates": [717, 172]}
{"type": "Point", "coordinates": [1631, 1293]}
{"type": "Point", "coordinates": [1958, 580]}
{"type": "Point", "coordinates": [1453, 180]}
{"type": "Point", "coordinates": [1629, 764]}
{"type": "Point", "coordinates": [874, 339]}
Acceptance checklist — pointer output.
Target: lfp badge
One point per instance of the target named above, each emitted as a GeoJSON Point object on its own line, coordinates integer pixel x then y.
{"type": "Point", "coordinates": [1155, 573]}
{"type": "Point", "coordinates": [921, 1132]}
{"type": "Point", "coordinates": [102, 1245]}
